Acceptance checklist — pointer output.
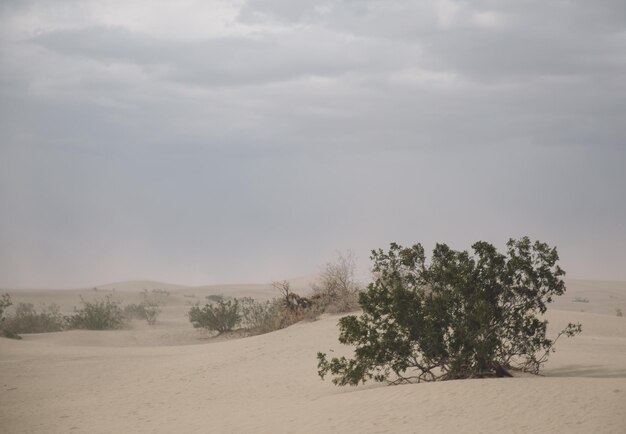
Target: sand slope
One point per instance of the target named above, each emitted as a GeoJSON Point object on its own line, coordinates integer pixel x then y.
{"type": "Point", "coordinates": [138, 381]}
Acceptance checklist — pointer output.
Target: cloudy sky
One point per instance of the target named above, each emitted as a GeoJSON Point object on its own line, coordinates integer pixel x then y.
{"type": "Point", "coordinates": [216, 141]}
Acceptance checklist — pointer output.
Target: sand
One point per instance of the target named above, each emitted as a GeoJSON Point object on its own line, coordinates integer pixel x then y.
{"type": "Point", "coordinates": [171, 378]}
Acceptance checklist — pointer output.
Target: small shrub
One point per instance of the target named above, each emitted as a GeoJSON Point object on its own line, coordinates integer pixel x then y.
{"type": "Point", "coordinates": [264, 317]}
{"type": "Point", "coordinates": [222, 316]}
{"type": "Point", "coordinates": [26, 319]}
{"type": "Point", "coordinates": [152, 304]}
{"type": "Point", "coordinates": [134, 311]}
{"type": "Point", "coordinates": [291, 301]}
{"type": "Point", "coordinates": [216, 298]}
{"type": "Point", "coordinates": [618, 312]}
{"type": "Point", "coordinates": [5, 302]}
{"type": "Point", "coordinates": [149, 308]}
{"type": "Point", "coordinates": [580, 300]}
{"type": "Point", "coordinates": [338, 291]}
{"type": "Point", "coordinates": [258, 316]}
{"type": "Point", "coordinates": [103, 314]}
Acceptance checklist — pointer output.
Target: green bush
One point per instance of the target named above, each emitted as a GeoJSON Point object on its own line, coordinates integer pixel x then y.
{"type": "Point", "coordinates": [26, 319]}
{"type": "Point", "coordinates": [103, 314]}
{"type": "Point", "coordinates": [222, 316]}
{"type": "Point", "coordinates": [459, 316]}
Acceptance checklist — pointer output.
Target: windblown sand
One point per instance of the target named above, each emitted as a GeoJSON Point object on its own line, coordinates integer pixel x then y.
{"type": "Point", "coordinates": [170, 378]}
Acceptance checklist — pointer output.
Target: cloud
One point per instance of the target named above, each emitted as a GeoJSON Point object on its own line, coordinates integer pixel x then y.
{"type": "Point", "coordinates": [248, 140]}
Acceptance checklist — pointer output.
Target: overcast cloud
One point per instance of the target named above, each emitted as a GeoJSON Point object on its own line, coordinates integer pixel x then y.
{"type": "Point", "coordinates": [203, 142]}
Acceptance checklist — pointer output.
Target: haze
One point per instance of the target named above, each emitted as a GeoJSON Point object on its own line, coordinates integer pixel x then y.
{"type": "Point", "coordinates": [204, 142]}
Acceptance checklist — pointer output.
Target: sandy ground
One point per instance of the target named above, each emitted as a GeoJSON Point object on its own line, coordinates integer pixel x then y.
{"type": "Point", "coordinates": [171, 378]}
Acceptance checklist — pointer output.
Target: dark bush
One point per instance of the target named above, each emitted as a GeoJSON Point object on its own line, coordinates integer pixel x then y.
{"type": "Point", "coordinates": [459, 316]}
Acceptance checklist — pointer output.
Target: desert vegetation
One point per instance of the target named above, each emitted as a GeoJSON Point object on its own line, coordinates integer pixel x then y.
{"type": "Point", "coordinates": [149, 308]}
{"type": "Point", "coordinates": [221, 316]}
{"type": "Point", "coordinates": [337, 292]}
{"type": "Point", "coordinates": [460, 315]}
{"type": "Point", "coordinates": [27, 319]}
{"type": "Point", "coordinates": [224, 314]}
{"type": "Point", "coordinates": [102, 314]}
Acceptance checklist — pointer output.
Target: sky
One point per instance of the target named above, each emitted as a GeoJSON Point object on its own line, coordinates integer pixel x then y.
{"type": "Point", "coordinates": [202, 142]}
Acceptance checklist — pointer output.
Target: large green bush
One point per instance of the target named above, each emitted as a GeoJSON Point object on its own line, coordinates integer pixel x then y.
{"type": "Point", "coordinates": [460, 315]}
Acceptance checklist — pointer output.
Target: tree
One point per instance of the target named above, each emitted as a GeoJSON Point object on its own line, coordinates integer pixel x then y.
{"type": "Point", "coordinates": [222, 316]}
{"type": "Point", "coordinates": [459, 316]}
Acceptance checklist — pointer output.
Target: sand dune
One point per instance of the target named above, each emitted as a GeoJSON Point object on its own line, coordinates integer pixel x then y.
{"type": "Point", "coordinates": [153, 380]}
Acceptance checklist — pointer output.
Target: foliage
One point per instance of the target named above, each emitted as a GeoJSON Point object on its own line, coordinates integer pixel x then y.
{"type": "Point", "coordinates": [27, 319]}
{"type": "Point", "coordinates": [5, 302]}
{"type": "Point", "coordinates": [264, 317]}
{"type": "Point", "coordinates": [459, 316]}
{"type": "Point", "coordinates": [149, 308]}
{"type": "Point", "coordinates": [102, 314]}
{"type": "Point", "coordinates": [222, 316]}
{"type": "Point", "coordinates": [338, 291]}
{"type": "Point", "coordinates": [134, 311]}
{"type": "Point", "coordinates": [259, 317]}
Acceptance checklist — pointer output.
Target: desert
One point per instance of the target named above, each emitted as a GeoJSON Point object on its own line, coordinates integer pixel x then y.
{"type": "Point", "coordinates": [172, 378]}
{"type": "Point", "coordinates": [323, 216]}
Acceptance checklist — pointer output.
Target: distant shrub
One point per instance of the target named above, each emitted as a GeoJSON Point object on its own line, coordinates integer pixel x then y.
{"type": "Point", "coordinates": [134, 311]}
{"type": "Point", "coordinates": [152, 304]}
{"type": "Point", "coordinates": [338, 291]}
{"type": "Point", "coordinates": [216, 298]}
{"type": "Point", "coordinates": [268, 316]}
{"type": "Point", "coordinates": [258, 316]}
{"type": "Point", "coordinates": [618, 312]}
{"type": "Point", "coordinates": [27, 319]}
{"type": "Point", "coordinates": [149, 308]}
{"type": "Point", "coordinates": [5, 302]}
{"type": "Point", "coordinates": [103, 314]}
{"type": "Point", "coordinates": [221, 316]}
{"type": "Point", "coordinates": [580, 300]}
